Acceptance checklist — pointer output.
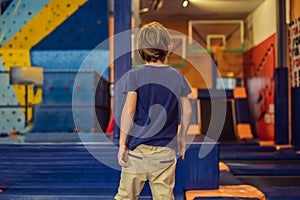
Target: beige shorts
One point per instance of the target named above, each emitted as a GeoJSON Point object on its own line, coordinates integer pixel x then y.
{"type": "Point", "coordinates": [155, 164]}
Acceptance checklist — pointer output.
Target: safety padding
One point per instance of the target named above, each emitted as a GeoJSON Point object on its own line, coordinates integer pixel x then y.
{"type": "Point", "coordinates": [235, 191]}
{"type": "Point", "coordinates": [63, 171]}
{"type": "Point", "coordinates": [239, 93]}
{"type": "Point", "coordinates": [264, 169]}
{"type": "Point", "coordinates": [194, 127]}
{"type": "Point", "coordinates": [194, 94]}
{"type": "Point", "coordinates": [227, 178]}
{"type": "Point", "coordinates": [295, 116]}
{"type": "Point", "coordinates": [246, 148]}
{"type": "Point", "coordinates": [242, 115]}
{"type": "Point", "coordinates": [227, 129]}
{"type": "Point", "coordinates": [281, 192]}
{"type": "Point", "coordinates": [256, 155]}
{"type": "Point", "coordinates": [242, 111]}
{"type": "Point", "coordinates": [214, 94]}
{"type": "Point", "coordinates": [223, 166]}
{"type": "Point", "coordinates": [59, 167]}
{"type": "Point", "coordinates": [199, 170]}
{"type": "Point", "coordinates": [244, 131]}
{"type": "Point", "coordinates": [281, 105]}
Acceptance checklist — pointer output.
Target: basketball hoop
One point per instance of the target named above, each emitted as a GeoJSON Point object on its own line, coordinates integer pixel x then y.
{"type": "Point", "coordinates": [217, 51]}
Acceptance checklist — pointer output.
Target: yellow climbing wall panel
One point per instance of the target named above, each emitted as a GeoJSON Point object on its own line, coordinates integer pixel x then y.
{"type": "Point", "coordinates": [16, 52]}
{"type": "Point", "coordinates": [51, 16]}
{"type": "Point", "coordinates": [18, 57]}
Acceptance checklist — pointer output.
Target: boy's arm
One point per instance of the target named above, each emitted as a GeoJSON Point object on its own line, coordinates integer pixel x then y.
{"type": "Point", "coordinates": [125, 125]}
{"type": "Point", "coordinates": [186, 115]}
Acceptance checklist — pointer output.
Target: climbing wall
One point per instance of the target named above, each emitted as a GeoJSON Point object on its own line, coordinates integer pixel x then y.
{"type": "Point", "coordinates": [3, 5]}
{"type": "Point", "coordinates": [85, 29]}
{"type": "Point", "coordinates": [98, 60]}
{"type": "Point", "coordinates": [11, 115]}
{"type": "Point", "coordinates": [30, 27]}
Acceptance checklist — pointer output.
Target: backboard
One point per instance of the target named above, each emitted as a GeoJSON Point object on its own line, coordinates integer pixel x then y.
{"type": "Point", "coordinates": [207, 35]}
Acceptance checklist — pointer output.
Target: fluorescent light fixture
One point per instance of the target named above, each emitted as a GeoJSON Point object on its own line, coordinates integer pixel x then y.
{"type": "Point", "coordinates": [185, 3]}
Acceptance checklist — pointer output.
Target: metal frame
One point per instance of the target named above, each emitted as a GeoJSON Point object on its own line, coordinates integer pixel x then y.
{"type": "Point", "coordinates": [183, 60]}
{"type": "Point", "coordinates": [211, 36]}
{"type": "Point", "coordinates": [190, 32]}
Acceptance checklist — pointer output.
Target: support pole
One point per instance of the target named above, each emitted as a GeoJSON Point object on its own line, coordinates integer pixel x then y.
{"type": "Point", "coordinates": [122, 62]}
{"type": "Point", "coordinates": [281, 79]}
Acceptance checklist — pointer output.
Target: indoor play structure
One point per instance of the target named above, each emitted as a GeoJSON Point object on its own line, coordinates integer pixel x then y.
{"type": "Point", "coordinates": [57, 139]}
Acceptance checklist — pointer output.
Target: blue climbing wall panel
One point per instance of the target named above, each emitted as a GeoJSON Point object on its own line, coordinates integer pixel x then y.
{"type": "Point", "coordinates": [85, 29]}
{"type": "Point", "coordinates": [68, 47]}
{"type": "Point", "coordinates": [3, 5]}
{"type": "Point", "coordinates": [11, 115]}
{"type": "Point", "coordinates": [64, 52]}
{"type": "Point", "coordinates": [60, 119]}
{"type": "Point", "coordinates": [16, 15]}
{"type": "Point", "coordinates": [73, 96]}
{"type": "Point", "coordinates": [58, 88]}
{"type": "Point", "coordinates": [98, 60]}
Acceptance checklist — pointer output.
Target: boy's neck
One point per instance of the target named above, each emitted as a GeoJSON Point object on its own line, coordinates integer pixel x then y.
{"type": "Point", "coordinates": [156, 64]}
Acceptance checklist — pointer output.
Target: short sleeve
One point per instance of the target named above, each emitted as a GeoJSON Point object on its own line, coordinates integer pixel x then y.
{"type": "Point", "coordinates": [130, 84]}
{"type": "Point", "coordinates": [185, 88]}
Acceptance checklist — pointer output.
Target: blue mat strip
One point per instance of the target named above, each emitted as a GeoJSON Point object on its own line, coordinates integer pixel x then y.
{"type": "Point", "coordinates": [56, 171]}
{"type": "Point", "coordinates": [257, 155]}
{"type": "Point", "coordinates": [264, 169]}
{"type": "Point", "coordinates": [281, 193]}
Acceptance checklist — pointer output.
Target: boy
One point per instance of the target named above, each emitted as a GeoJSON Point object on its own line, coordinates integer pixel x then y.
{"type": "Point", "coordinates": [149, 120]}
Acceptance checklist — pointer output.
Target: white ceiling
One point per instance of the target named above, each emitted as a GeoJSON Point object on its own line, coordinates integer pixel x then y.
{"type": "Point", "coordinates": [197, 9]}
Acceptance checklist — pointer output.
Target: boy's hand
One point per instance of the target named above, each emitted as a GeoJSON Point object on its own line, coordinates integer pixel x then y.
{"type": "Point", "coordinates": [123, 156]}
{"type": "Point", "coordinates": [181, 146]}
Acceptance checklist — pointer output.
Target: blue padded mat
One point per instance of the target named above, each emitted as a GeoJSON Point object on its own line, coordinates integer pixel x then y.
{"type": "Point", "coordinates": [281, 193]}
{"type": "Point", "coordinates": [249, 141]}
{"type": "Point", "coordinates": [257, 155]}
{"type": "Point", "coordinates": [224, 198]}
{"type": "Point", "coordinates": [66, 194]}
{"type": "Point", "coordinates": [244, 147]}
{"type": "Point", "coordinates": [242, 111]}
{"type": "Point", "coordinates": [69, 171]}
{"type": "Point", "coordinates": [226, 178]}
{"type": "Point", "coordinates": [264, 169]}
{"type": "Point", "coordinates": [214, 94]}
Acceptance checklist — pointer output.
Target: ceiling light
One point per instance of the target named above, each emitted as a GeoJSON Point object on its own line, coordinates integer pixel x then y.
{"type": "Point", "coordinates": [185, 3]}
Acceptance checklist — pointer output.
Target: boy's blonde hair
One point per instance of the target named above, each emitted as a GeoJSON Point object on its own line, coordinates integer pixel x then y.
{"type": "Point", "coordinates": [153, 42]}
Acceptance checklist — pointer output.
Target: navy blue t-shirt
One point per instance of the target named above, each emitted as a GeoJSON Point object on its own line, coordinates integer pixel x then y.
{"type": "Point", "coordinates": [157, 111]}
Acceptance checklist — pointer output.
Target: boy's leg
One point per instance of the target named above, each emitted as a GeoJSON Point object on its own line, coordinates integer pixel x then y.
{"type": "Point", "coordinates": [162, 182]}
{"type": "Point", "coordinates": [133, 177]}
{"type": "Point", "coordinates": [131, 185]}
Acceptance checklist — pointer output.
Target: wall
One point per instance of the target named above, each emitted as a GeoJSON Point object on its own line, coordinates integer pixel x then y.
{"type": "Point", "coordinates": [295, 9]}
{"type": "Point", "coordinates": [259, 80]}
{"type": "Point", "coordinates": [259, 66]}
{"type": "Point", "coordinates": [53, 34]}
{"type": "Point", "coordinates": [203, 62]}
{"type": "Point", "coordinates": [295, 89]}
{"type": "Point", "coordinates": [260, 24]}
